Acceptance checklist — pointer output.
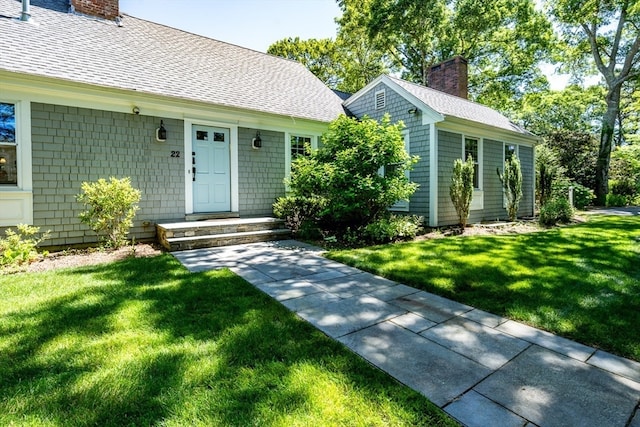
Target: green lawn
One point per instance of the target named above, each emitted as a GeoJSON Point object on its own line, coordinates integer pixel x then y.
{"type": "Point", "coordinates": [581, 281]}
{"type": "Point", "coordinates": [144, 342]}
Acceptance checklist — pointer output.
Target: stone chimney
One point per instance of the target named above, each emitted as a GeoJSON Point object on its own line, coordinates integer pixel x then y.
{"type": "Point", "coordinates": [450, 77]}
{"type": "Point", "coordinates": [105, 9]}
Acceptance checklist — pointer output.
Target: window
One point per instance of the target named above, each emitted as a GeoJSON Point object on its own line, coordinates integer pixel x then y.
{"type": "Point", "coordinates": [471, 149]}
{"type": "Point", "coordinates": [380, 99]}
{"type": "Point", "coordinates": [509, 151]}
{"type": "Point", "coordinates": [299, 146]}
{"type": "Point", "coordinates": [8, 146]}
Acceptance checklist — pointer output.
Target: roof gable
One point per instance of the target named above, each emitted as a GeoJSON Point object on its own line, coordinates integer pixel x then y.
{"type": "Point", "coordinates": [151, 58]}
{"type": "Point", "coordinates": [437, 106]}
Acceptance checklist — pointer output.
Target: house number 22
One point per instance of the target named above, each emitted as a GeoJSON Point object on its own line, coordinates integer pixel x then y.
{"type": "Point", "coordinates": [175, 154]}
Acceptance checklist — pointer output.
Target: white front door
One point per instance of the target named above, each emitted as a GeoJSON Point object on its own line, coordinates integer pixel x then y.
{"type": "Point", "coordinates": [211, 169]}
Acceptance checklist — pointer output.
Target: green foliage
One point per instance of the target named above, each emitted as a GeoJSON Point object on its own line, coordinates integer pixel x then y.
{"type": "Point", "coordinates": [461, 189]}
{"type": "Point", "coordinates": [511, 181]}
{"type": "Point", "coordinates": [548, 172]}
{"type": "Point", "coordinates": [393, 228]}
{"type": "Point", "coordinates": [110, 208]}
{"type": "Point", "coordinates": [502, 40]}
{"type": "Point", "coordinates": [577, 153]}
{"type": "Point", "coordinates": [625, 171]}
{"type": "Point", "coordinates": [555, 210]}
{"type": "Point", "coordinates": [18, 249]}
{"type": "Point", "coordinates": [340, 185]}
{"type": "Point", "coordinates": [616, 200]}
{"type": "Point", "coordinates": [582, 196]}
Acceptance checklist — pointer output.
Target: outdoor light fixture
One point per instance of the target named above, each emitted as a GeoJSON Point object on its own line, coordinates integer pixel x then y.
{"type": "Point", "coordinates": [413, 110]}
{"type": "Point", "coordinates": [3, 160]}
{"type": "Point", "coordinates": [161, 133]}
{"type": "Point", "coordinates": [136, 110]}
{"type": "Point", "coordinates": [257, 141]}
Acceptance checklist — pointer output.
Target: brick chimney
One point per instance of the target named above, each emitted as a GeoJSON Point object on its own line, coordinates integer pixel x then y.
{"type": "Point", "coordinates": [105, 9]}
{"type": "Point", "coordinates": [450, 77]}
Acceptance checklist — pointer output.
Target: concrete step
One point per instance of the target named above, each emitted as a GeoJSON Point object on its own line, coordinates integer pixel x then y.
{"type": "Point", "coordinates": [228, 239]}
{"type": "Point", "coordinates": [220, 232]}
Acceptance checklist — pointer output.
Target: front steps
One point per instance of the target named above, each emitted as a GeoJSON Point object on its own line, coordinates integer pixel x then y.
{"type": "Point", "coordinates": [181, 236]}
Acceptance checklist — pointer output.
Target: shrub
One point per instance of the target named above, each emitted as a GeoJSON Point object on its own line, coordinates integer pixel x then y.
{"type": "Point", "coordinates": [339, 186]}
{"type": "Point", "coordinates": [582, 196]}
{"type": "Point", "coordinates": [511, 181]}
{"type": "Point", "coordinates": [461, 189]}
{"type": "Point", "coordinates": [548, 172]}
{"type": "Point", "coordinates": [393, 228]}
{"type": "Point", "coordinates": [19, 249]}
{"type": "Point", "coordinates": [110, 208]}
{"type": "Point", "coordinates": [616, 200]}
{"type": "Point", "coordinates": [556, 210]}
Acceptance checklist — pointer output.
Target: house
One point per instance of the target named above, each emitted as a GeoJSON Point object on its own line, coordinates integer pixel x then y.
{"type": "Point", "coordinates": [441, 126]}
{"type": "Point", "coordinates": [203, 128]}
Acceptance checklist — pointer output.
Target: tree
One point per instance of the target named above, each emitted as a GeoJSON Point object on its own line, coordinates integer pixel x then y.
{"type": "Point", "coordinates": [340, 184]}
{"type": "Point", "coordinates": [511, 180]}
{"type": "Point", "coordinates": [548, 172]}
{"type": "Point", "coordinates": [461, 189]}
{"type": "Point", "coordinates": [612, 30]}
{"type": "Point", "coordinates": [320, 56]}
{"type": "Point", "coordinates": [577, 153]}
{"type": "Point", "coordinates": [502, 39]}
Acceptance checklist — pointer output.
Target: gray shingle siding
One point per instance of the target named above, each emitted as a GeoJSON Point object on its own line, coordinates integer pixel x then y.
{"type": "Point", "coordinates": [261, 172]}
{"type": "Point", "coordinates": [449, 149]}
{"type": "Point", "coordinates": [528, 177]}
{"type": "Point", "coordinates": [398, 108]}
{"type": "Point", "coordinates": [71, 145]}
{"type": "Point", "coordinates": [493, 196]}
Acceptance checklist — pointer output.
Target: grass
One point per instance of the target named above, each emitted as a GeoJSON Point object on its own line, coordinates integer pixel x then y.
{"type": "Point", "coordinates": [144, 342]}
{"type": "Point", "coordinates": [581, 281]}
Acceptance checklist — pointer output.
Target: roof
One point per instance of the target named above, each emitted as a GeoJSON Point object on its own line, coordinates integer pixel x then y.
{"type": "Point", "coordinates": [445, 105]}
{"type": "Point", "coordinates": [151, 58]}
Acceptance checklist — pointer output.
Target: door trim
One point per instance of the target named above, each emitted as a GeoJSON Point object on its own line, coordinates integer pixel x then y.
{"type": "Point", "coordinates": [188, 148]}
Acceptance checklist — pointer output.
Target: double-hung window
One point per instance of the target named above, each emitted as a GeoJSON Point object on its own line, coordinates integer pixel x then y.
{"type": "Point", "coordinates": [8, 145]}
{"type": "Point", "coordinates": [297, 145]}
{"type": "Point", "coordinates": [471, 150]}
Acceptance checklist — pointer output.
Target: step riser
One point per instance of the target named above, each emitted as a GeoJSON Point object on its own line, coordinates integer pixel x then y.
{"type": "Point", "coordinates": [214, 241]}
{"type": "Point", "coordinates": [209, 230]}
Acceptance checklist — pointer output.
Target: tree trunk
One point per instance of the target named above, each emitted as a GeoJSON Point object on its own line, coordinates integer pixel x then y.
{"type": "Point", "coordinates": [606, 144]}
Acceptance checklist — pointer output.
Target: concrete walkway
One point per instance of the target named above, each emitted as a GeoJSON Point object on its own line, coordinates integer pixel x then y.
{"type": "Point", "coordinates": [482, 369]}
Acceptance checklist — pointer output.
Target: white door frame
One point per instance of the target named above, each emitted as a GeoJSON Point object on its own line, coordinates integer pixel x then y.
{"type": "Point", "coordinates": [188, 149]}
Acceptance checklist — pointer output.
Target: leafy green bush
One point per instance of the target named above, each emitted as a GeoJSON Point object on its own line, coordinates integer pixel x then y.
{"type": "Point", "coordinates": [556, 210]}
{"type": "Point", "coordinates": [624, 173]}
{"type": "Point", "coordinates": [461, 189]}
{"type": "Point", "coordinates": [110, 208]}
{"type": "Point", "coordinates": [339, 186]}
{"type": "Point", "coordinates": [548, 172]}
{"type": "Point", "coordinates": [616, 200]}
{"type": "Point", "coordinates": [19, 248]}
{"type": "Point", "coordinates": [582, 196]}
{"type": "Point", "coordinates": [511, 180]}
{"type": "Point", "coordinates": [393, 228]}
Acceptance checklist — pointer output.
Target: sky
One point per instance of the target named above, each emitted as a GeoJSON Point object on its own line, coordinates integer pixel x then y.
{"type": "Point", "coordinates": [255, 24]}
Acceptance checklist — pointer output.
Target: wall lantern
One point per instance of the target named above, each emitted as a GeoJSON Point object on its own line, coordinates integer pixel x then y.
{"type": "Point", "coordinates": [161, 133]}
{"type": "Point", "coordinates": [257, 141]}
{"type": "Point", "coordinates": [413, 110]}
{"type": "Point", "coordinates": [3, 160]}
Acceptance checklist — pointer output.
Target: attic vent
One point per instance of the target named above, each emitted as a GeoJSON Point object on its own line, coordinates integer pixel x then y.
{"type": "Point", "coordinates": [380, 99]}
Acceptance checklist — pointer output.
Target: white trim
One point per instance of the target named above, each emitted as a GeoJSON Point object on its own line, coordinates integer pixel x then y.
{"type": "Point", "coordinates": [433, 176]}
{"type": "Point", "coordinates": [188, 148]}
{"type": "Point", "coordinates": [17, 200]}
{"type": "Point", "coordinates": [485, 131]}
{"type": "Point", "coordinates": [380, 99]}
{"type": "Point", "coordinates": [477, 201]}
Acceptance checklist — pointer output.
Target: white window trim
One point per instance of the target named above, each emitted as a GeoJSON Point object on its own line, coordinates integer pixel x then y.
{"type": "Point", "coordinates": [403, 205]}
{"type": "Point", "coordinates": [17, 201]}
{"type": "Point", "coordinates": [477, 201]}
{"type": "Point", "coordinates": [287, 151]}
{"type": "Point", "coordinates": [504, 152]}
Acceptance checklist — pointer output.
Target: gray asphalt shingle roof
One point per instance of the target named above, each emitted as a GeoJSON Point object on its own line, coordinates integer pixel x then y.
{"type": "Point", "coordinates": [453, 106]}
{"type": "Point", "coordinates": [156, 59]}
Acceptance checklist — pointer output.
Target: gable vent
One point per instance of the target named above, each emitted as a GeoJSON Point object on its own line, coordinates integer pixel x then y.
{"type": "Point", "coordinates": [380, 100]}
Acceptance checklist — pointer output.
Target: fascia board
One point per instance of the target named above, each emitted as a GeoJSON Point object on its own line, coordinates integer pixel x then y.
{"type": "Point", "coordinates": [456, 124]}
